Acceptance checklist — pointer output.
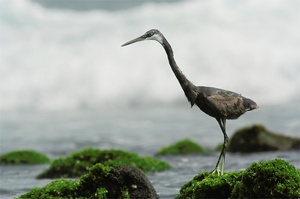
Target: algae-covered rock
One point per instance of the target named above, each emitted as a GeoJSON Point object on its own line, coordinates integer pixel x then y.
{"type": "Point", "coordinates": [185, 146]}
{"type": "Point", "coordinates": [273, 179]}
{"type": "Point", "coordinates": [56, 189]}
{"type": "Point", "coordinates": [206, 185]}
{"type": "Point", "coordinates": [78, 163]}
{"type": "Point", "coordinates": [24, 157]}
{"type": "Point", "coordinates": [130, 179]}
{"type": "Point", "coordinates": [100, 182]}
{"type": "Point", "coordinates": [257, 139]}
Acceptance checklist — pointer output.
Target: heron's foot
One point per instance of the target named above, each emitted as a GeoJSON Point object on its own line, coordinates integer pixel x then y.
{"type": "Point", "coordinates": [217, 171]}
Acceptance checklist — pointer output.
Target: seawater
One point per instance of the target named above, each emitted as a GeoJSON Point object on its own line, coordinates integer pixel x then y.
{"type": "Point", "coordinates": [142, 130]}
{"type": "Point", "coordinates": [66, 84]}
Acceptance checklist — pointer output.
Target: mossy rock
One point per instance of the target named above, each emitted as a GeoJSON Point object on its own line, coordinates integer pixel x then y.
{"type": "Point", "coordinates": [273, 179]}
{"type": "Point", "coordinates": [78, 163]}
{"type": "Point", "coordinates": [182, 147]}
{"type": "Point", "coordinates": [257, 138]}
{"type": "Point", "coordinates": [206, 185]}
{"type": "Point", "coordinates": [24, 157]}
{"type": "Point", "coordinates": [100, 182]}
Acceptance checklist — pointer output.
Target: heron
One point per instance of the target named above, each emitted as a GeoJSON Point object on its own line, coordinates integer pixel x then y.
{"type": "Point", "coordinates": [218, 103]}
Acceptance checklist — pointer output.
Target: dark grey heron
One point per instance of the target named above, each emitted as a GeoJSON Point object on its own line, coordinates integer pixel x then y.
{"type": "Point", "coordinates": [218, 103]}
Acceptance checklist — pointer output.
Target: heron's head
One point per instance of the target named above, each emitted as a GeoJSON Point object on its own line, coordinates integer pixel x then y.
{"type": "Point", "coordinates": [149, 35]}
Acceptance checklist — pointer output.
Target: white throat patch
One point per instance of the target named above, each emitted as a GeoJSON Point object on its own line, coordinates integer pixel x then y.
{"type": "Point", "coordinates": [156, 38]}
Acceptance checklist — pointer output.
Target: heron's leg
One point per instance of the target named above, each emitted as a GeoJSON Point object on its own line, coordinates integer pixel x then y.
{"type": "Point", "coordinates": [221, 160]}
{"type": "Point", "coordinates": [224, 145]}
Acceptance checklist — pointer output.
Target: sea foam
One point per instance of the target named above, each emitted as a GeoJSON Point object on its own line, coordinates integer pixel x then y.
{"type": "Point", "coordinates": [63, 59]}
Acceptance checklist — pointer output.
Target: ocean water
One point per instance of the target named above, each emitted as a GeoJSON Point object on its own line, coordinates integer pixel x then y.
{"type": "Point", "coordinates": [142, 130]}
{"type": "Point", "coordinates": [66, 83]}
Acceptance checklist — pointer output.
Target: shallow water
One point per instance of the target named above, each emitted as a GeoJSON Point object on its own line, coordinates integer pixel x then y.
{"type": "Point", "coordinates": [140, 129]}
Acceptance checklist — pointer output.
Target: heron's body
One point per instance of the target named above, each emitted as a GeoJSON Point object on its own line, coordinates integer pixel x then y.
{"type": "Point", "coordinates": [218, 103]}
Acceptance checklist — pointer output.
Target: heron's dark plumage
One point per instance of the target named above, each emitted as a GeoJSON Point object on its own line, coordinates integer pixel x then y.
{"type": "Point", "coordinates": [218, 103]}
{"type": "Point", "coordinates": [221, 103]}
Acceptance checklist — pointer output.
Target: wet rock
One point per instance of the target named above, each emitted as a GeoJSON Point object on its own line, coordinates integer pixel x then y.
{"type": "Point", "coordinates": [102, 182]}
{"type": "Point", "coordinates": [134, 181]}
{"type": "Point", "coordinates": [78, 163]}
{"type": "Point", "coordinates": [258, 139]}
{"type": "Point", "coordinates": [24, 157]}
{"type": "Point", "coordinates": [273, 179]}
{"type": "Point", "coordinates": [182, 147]}
{"type": "Point", "coordinates": [206, 185]}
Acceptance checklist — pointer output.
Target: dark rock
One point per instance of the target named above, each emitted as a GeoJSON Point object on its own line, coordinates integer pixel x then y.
{"type": "Point", "coordinates": [102, 182]}
{"type": "Point", "coordinates": [258, 139]}
{"type": "Point", "coordinates": [131, 178]}
{"type": "Point", "coordinates": [76, 164]}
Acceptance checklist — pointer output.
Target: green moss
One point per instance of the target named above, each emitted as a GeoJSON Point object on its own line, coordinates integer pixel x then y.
{"type": "Point", "coordinates": [24, 157]}
{"type": "Point", "coordinates": [205, 185]}
{"type": "Point", "coordinates": [145, 163]}
{"type": "Point", "coordinates": [100, 182]}
{"type": "Point", "coordinates": [125, 194]}
{"type": "Point", "coordinates": [92, 182]}
{"type": "Point", "coordinates": [101, 193]}
{"type": "Point", "coordinates": [88, 186]}
{"type": "Point", "coordinates": [56, 189]}
{"type": "Point", "coordinates": [78, 163]}
{"type": "Point", "coordinates": [273, 179]}
{"type": "Point", "coordinates": [185, 146]}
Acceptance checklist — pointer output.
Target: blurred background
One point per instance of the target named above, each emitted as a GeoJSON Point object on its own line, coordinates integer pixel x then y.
{"type": "Point", "coordinates": [58, 55]}
{"type": "Point", "coordinates": [64, 72]}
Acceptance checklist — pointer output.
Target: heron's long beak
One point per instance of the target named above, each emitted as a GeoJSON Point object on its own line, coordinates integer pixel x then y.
{"type": "Point", "coordinates": [141, 38]}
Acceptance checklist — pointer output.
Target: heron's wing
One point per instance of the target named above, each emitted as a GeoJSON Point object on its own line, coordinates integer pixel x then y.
{"type": "Point", "coordinates": [226, 103]}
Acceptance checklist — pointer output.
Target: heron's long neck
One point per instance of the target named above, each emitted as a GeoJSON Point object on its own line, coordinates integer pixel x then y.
{"type": "Point", "coordinates": [188, 87]}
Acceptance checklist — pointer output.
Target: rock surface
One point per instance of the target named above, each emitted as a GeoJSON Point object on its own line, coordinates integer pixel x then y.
{"type": "Point", "coordinates": [101, 182]}
{"type": "Point", "coordinates": [182, 147]}
{"type": "Point", "coordinates": [273, 179]}
{"type": "Point", "coordinates": [24, 157]}
{"type": "Point", "coordinates": [258, 139]}
{"type": "Point", "coordinates": [133, 179]}
{"type": "Point", "coordinates": [76, 164]}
